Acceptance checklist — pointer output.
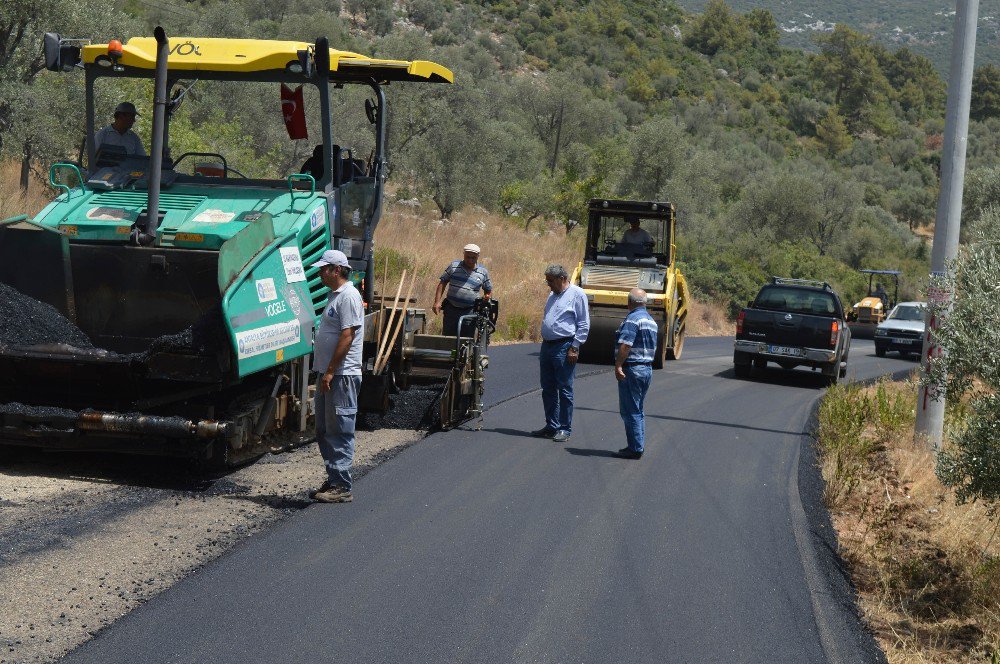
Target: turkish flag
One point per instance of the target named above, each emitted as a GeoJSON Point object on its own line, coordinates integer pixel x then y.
{"type": "Point", "coordinates": [294, 112]}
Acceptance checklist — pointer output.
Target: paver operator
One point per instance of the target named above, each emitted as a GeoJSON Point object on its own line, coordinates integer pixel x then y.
{"type": "Point", "coordinates": [337, 363]}
{"type": "Point", "coordinates": [634, 352]}
{"type": "Point", "coordinates": [565, 326]}
{"type": "Point", "coordinates": [463, 279]}
{"type": "Point", "coordinates": [120, 132]}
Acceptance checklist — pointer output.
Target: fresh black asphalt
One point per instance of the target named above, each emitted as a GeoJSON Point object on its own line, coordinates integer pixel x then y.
{"type": "Point", "coordinates": [491, 546]}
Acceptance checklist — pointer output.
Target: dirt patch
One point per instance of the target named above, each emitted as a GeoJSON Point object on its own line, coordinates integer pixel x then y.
{"type": "Point", "coordinates": [86, 539]}
{"type": "Point", "coordinates": [708, 319]}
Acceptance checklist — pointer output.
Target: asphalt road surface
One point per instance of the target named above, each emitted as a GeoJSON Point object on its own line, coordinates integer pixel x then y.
{"type": "Point", "coordinates": [491, 546]}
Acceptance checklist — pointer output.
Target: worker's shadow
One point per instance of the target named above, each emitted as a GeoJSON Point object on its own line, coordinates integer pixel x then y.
{"type": "Point", "coordinates": [587, 452]}
{"type": "Point", "coordinates": [275, 501]}
{"type": "Point", "coordinates": [517, 433]}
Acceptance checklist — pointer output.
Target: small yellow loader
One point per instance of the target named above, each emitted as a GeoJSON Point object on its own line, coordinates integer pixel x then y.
{"type": "Point", "coordinates": [866, 315]}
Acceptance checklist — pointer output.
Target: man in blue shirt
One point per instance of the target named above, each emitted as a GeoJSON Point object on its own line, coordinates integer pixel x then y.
{"type": "Point", "coordinates": [337, 361]}
{"type": "Point", "coordinates": [565, 326]}
{"type": "Point", "coordinates": [463, 279]}
{"type": "Point", "coordinates": [636, 339]}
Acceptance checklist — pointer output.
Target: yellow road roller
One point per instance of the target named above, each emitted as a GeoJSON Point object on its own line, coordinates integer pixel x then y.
{"type": "Point", "coordinates": [631, 244]}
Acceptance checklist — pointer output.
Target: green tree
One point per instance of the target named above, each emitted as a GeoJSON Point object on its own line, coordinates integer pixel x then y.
{"type": "Point", "coordinates": [833, 134]}
{"type": "Point", "coordinates": [718, 29]}
{"type": "Point", "coordinates": [970, 367]}
{"type": "Point", "coordinates": [848, 67]}
{"type": "Point", "coordinates": [656, 151]}
{"type": "Point", "coordinates": [985, 93]}
{"type": "Point", "coordinates": [765, 30]}
{"type": "Point", "coordinates": [916, 84]}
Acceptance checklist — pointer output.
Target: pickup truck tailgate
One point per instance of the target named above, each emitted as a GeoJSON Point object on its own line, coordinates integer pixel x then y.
{"type": "Point", "coordinates": [787, 329]}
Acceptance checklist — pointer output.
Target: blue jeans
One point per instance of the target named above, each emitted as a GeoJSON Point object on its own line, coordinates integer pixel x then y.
{"type": "Point", "coordinates": [336, 411]}
{"type": "Point", "coordinates": [557, 385]}
{"type": "Point", "coordinates": [631, 396]}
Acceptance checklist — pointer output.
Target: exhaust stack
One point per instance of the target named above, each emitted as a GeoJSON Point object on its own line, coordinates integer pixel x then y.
{"type": "Point", "coordinates": [148, 225]}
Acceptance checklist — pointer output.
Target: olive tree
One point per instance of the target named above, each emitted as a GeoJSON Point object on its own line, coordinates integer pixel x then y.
{"type": "Point", "coordinates": [970, 366]}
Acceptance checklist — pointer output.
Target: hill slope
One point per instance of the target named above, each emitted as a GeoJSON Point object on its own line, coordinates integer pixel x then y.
{"type": "Point", "coordinates": [925, 26]}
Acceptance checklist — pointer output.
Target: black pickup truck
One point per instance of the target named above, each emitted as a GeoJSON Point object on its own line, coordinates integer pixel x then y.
{"type": "Point", "coordinates": [793, 322]}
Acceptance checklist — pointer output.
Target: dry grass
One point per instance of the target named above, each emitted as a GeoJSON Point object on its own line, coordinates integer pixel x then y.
{"type": "Point", "coordinates": [515, 258]}
{"type": "Point", "coordinates": [927, 570]}
{"type": "Point", "coordinates": [14, 201]}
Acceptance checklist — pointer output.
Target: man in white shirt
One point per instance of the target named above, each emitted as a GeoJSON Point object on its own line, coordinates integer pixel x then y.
{"type": "Point", "coordinates": [337, 362]}
{"type": "Point", "coordinates": [565, 326]}
{"type": "Point", "coordinates": [635, 234]}
{"type": "Point", "coordinates": [120, 132]}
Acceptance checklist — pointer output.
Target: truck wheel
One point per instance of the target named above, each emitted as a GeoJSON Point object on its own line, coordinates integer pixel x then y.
{"type": "Point", "coordinates": [879, 351]}
{"type": "Point", "coordinates": [832, 372]}
{"type": "Point", "coordinates": [741, 364]}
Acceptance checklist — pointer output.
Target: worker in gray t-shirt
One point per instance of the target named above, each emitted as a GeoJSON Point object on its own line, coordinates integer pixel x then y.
{"type": "Point", "coordinates": [337, 362]}
{"type": "Point", "coordinates": [120, 132]}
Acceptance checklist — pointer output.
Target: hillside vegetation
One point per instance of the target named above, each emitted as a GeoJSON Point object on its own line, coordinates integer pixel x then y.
{"type": "Point", "coordinates": [924, 26]}
{"type": "Point", "coordinates": [780, 161]}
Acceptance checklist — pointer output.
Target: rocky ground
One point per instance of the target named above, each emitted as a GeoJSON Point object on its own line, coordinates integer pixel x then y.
{"type": "Point", "coordinates": [84, 539]}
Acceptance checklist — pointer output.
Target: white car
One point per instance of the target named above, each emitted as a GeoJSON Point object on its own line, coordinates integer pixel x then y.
{"type": "Point", "coordinates": [902, 330]}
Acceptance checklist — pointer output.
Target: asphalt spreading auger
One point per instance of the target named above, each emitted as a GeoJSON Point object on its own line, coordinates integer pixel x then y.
{"type": "Point", "coordinates": [155, 310]}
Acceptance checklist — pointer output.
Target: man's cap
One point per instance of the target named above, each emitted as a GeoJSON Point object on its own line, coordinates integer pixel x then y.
{"type": "Point", "coordinates": [332, 257]}
{"type": "Point", "coordinates": [474, 248]}
{"type": "Point", "coordinates": [126, 107]}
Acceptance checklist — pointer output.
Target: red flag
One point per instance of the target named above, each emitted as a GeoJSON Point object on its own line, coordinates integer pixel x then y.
{"type": "Point", "coordinates": [293, 109]}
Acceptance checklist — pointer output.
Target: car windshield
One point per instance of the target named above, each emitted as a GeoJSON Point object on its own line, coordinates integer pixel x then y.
{"type": "Point", "coordinates": [907, 313]}
{"type": "Point", "coordinates": [797, 300]}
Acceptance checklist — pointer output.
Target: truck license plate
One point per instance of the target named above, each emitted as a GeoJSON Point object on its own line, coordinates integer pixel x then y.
{"type": "Point", "coordinates": [783, 350]}
{"type": "Point", "coordinates": [896, 340]}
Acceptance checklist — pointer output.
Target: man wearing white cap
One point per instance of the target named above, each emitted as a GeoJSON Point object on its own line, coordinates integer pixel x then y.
{"type": "Point", "coordinates": [463, 279]}
{"type": "Point", "coordinates": [337, 362]}
{"type": "Point", "coordinates": [120, 132]}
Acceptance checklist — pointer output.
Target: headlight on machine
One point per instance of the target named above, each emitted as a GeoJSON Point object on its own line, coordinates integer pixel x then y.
{"type": "Point", "coordinates": [880, 332]}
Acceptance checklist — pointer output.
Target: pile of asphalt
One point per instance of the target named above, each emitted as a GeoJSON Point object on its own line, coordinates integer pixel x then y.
{"type": "Point", "coordinates": [415, 409]}
{"type": "Point", "coordinates": [24, 321]}
{"type": "Point", "coordinates": [204, 336]}
{"type": "Point", "coordinates": [24, 410]}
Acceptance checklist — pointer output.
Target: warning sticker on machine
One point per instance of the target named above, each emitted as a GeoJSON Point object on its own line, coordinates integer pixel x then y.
{"type": "Point", "coordinates": [266, 290]}
{"type": "Point", "coordinates": [317, 219]}
{"type": "Point", "coordinates": [267, 338]}
{"type": "Point", "coordinates": [214, 217]}
{"type": "Point", "coordinates": [292, 262]}
{"type": "Point", "coordinates": [108, 214]}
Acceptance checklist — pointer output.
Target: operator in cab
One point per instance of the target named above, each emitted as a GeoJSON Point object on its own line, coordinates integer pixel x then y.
{"type": "Point", "coordinates": [635, 234]}
{"type": "Point", "coordinates": [120, 133]}
{"type": "Point", "coordinates": [881, 294]}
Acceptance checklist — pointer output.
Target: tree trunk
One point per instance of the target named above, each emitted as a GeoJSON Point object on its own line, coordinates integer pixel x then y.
{"type": "Point", "coordinates": [555, 149]}
{"type": "Point", "coordinates": [25, 165]}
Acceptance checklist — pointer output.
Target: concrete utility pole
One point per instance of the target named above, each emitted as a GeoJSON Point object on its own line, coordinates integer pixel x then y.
{"type": "Point", "coordinates": [931, 398]}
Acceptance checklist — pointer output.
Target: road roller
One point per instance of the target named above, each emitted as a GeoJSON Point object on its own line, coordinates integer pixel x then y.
{"type": "Point", "coordinates": [630, 244]}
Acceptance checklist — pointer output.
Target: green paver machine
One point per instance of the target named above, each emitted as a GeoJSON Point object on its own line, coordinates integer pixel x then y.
{"type": "Point", "coordinates": [192, 281]}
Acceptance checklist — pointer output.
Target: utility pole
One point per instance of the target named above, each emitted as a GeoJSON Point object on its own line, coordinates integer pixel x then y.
{"type": "Point", "coordinates": [931, 397]}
